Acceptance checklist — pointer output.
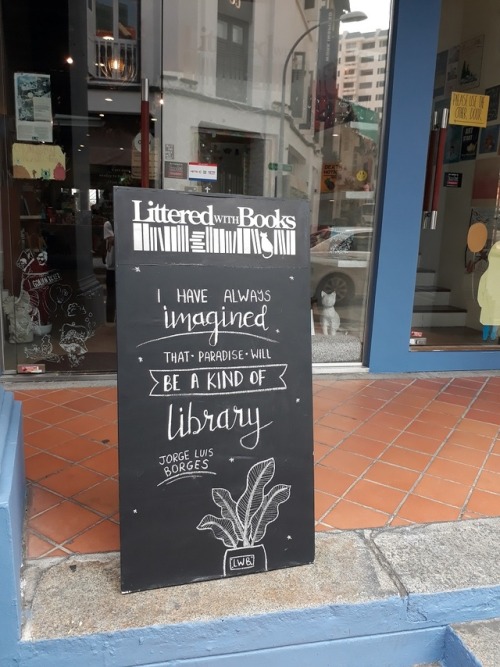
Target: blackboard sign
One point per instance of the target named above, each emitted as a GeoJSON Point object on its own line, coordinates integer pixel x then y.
{"type": "Point", "coordinates": [214, 386]}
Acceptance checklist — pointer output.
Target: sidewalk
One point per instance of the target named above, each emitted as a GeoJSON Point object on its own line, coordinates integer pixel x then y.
{"type": "Point", "coordinates": [389, 451]}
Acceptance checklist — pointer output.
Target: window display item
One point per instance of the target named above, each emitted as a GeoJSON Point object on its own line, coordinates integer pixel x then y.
{"type": "Point", "coordinates": [488, 295]}
{"type": "Point", "coordinates": [19, 314]}
{"type": "Point", "coordinates": [330, 320]}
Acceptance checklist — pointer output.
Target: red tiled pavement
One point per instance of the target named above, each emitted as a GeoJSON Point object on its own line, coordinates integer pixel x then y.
{"type": "Point", "coordinates": [388, 452]}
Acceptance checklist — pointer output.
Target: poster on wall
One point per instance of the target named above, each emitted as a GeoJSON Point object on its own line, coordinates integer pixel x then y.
{"type": "Point", "coordinates": [214, 386]}
{"type": "Point", "coordinates": [39, 161]}
{"type": "Point", "coordinates": [33, 107]}
{"type": "Point", "coordinates": [452, 70]}
{"type": "Point", "coordinates": [453, 145]}
{"type": "Point", "coordinates": [471, 60]}
{"type": "Point", "coordinates": [470, 139]}
{"type": "Point", "coordinates": [485, 182]}
{"type": "Point", "coordinates": [488, 140]}
{"type": "Point", "coordinates": [440, 74]}
{"type": "Point", "coordinates": [494, 95]}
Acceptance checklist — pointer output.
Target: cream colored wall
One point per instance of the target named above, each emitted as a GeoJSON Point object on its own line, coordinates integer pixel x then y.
{"type": "Point", "coordinates": [190, 47]}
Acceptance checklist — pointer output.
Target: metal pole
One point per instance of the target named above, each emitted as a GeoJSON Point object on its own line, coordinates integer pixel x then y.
{"type": "Point", "coordinates": [281, 138]}
{"type": "Point", "coordinates": [145, 133]}
{"type": "Point", "coordinates": [439, 168]}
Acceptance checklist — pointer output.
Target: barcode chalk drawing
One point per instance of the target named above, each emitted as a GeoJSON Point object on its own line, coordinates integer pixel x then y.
{"type": "Point", "coordinates": [214, 241]}
{"type": "Point", "coordinates": [160, 229]}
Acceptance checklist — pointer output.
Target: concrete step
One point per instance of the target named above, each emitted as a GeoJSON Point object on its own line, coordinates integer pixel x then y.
{"type": "Point", "coordinates": [438, 316]}
{"type": "Point", "coordinates": [432, 296]}
{"type": "Point", "coordinates": [425, 278]}
{"type": "Point", "coordinates": [474, 644]}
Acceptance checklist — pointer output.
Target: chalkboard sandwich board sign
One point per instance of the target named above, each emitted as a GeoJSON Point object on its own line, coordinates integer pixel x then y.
{"type": "Point", "coordinates": [214, 386]}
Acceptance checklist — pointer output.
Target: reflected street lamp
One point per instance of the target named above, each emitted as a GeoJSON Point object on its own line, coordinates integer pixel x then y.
{"type": "Point", "coordinates": [347, 17]}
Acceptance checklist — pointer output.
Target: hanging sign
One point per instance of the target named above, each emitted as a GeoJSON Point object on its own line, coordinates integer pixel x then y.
{"type": "Point", "coordinates": [201, 171]}
{"type": "Point", "coordinates": [468, 109]}
{"type": "Point", "coordinates": [135, 165]}
{"type": "Point", "coordinates": [214, 386]}
{"type": "Point", "coordinates": [38, 161]}
{"type": "Point", "coordinates": [329, 175]}
{"type": "Point", "coordinates": [33, 107]}
{"type": "Point", "coordinates": [452, 179]}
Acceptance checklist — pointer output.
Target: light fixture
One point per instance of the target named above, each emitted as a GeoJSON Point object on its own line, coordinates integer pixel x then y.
{"type": "Point", "coordinates": [67, 120]}
{"type": "Point", "coordinates": [108, 99]}
{"type": "Point", "coordinates": [109, 38]}
{"type": "Point", "coordinates": [101, 115]}
{"type": "Point", "coordinates": [353, 17]}
{"type": "Point", "coordinates": [69, 60]}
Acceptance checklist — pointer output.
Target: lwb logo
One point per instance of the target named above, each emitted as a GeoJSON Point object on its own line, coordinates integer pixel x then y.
{"type": "Point", "coordinates": [242, 562]}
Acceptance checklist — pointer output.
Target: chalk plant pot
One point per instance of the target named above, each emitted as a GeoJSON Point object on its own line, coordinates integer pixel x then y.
{"type": "Point", "coordinates": [245, 560]}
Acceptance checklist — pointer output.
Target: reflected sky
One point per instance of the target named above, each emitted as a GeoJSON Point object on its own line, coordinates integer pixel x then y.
{"type": "Point", "coordinates": [378, 12]}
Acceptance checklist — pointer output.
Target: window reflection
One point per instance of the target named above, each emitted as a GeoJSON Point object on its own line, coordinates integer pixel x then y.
{"type": "Point", "coordinates": [288, 108]}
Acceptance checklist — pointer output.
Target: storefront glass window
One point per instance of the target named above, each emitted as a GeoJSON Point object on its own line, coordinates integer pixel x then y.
{"type": "Point", "coordinates": [266, 102]}
{"type": "Point", "coordinates": [71, 139]}
{"type": "Point", "coordinates": [457, 296]}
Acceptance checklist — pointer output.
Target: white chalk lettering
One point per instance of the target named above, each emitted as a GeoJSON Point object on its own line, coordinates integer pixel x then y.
{"type": "Point", "coordinates": [216, 322]}
{"type": "Point", "coordinates": [182, 424]}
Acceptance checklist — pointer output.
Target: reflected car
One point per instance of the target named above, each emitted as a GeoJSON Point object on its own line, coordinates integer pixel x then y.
{"type": "Point", "coordinates": [340, 263]}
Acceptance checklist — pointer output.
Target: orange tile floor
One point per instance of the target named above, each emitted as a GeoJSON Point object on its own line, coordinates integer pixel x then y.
{"type": "Point", "coordinates": [388, 452]}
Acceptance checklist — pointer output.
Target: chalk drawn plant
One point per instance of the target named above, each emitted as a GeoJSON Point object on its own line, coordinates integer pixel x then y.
{"type": "Point", "coordinates": [243, 523]}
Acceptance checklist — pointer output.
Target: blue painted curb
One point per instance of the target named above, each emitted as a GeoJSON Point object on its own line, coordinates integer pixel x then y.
{"type": "Point", "coordinates": [12, 506]}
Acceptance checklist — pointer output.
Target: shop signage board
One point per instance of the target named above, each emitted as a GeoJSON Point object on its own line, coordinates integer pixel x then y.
{"type": "Point", "coordinates": [200, 171]}
{"type": "Point", "coordinates": [176, 169]}
{"type": "Point", "coordinates": [214, 386]}
{"type": "Point", "coordinates": [275, 166]}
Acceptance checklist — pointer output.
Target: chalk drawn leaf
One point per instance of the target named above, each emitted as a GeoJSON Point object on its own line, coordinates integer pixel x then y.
{"type": "Point", "coordinates": [251, 500]}
{"type": "Point", "coordinates": [223, 529]}
{"type": "Point", "coordinates": [268, 512]}
{"type": "Point", "coordinates": [223, 499]}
